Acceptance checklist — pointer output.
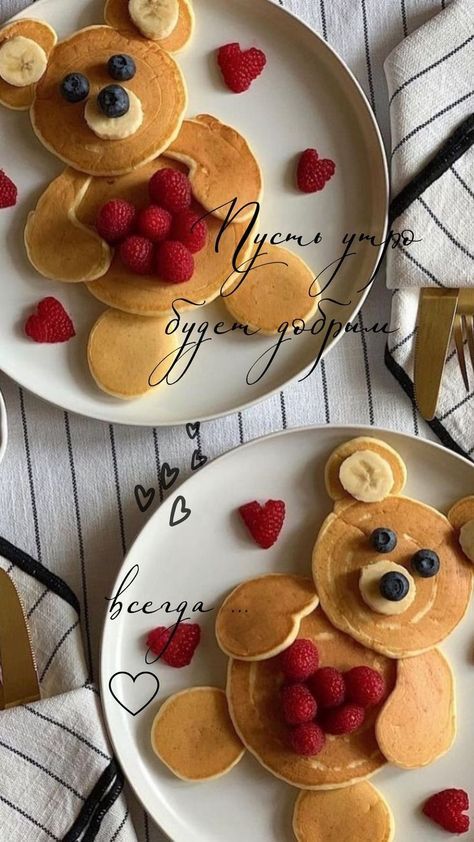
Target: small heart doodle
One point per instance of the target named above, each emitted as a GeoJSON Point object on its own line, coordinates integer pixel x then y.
{"type": "Point", "coordinates": [144, 498]}
{"type": "Point", "coordinates": [179, 511]}
{"type": "Point", "coordinates": [144, 686]}
{"type": "Point", "coordinates": [193, 429]}
{"type": "Point", "coordinates": [168, 476]}
{"type": "Point", "coordinates": [198, 460]}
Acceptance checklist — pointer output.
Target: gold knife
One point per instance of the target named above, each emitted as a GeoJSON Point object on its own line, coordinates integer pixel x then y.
{"type": "Point", "coordinates": [19, 678]}
{"type": "Point", "coordinates": [436, 311]}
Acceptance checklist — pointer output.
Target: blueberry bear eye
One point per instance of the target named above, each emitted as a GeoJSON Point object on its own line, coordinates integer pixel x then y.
{"type": "Point", "coordinates": [75, 87]}
{"type": "Point", "coordinates": [383, 540]}
{"type": "Point", "coordinates": [426, 563]}
{"type": "Point", "coordinates": [121, 67]}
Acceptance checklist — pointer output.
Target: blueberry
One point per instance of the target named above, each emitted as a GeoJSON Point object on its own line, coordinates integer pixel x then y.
{"type": "Point", "coordinates": [394, 586]}
{"type": "Point", "coordinates": [425, 563]}
{"type": "Point", "coordinates": [121, 67]}
{"type": "Point", "coordinates": [75, 87]}
{"type": "Point", "coordinates": [383, 540]}
{"type": "Point", "coordinates": [113, 101]}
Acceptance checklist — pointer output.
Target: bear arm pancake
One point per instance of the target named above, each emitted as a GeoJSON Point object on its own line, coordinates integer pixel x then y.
{"type": "Point", "coordinates": [58, 245]}
{"type": "Point", "coordinates": [417, 724]}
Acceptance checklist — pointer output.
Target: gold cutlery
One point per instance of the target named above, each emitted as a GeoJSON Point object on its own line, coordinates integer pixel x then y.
{"type": "Point", "coordinates": [19, 678]}
{"type": "Point", "coordinates": [464, 331]}
{"type": "Point", "coordinates": [436, 316]}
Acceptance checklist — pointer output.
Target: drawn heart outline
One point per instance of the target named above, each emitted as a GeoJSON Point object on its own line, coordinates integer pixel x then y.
{"type": "Point", "coordinates": [148, 497]}
{"type": "Point", "coordinates": [198, 460]}
{"type": "Point", "coordinates": [133, 679]}
{"type": "Point", "coordinates": [168, 476]}
{"type": "Point", "coordinates": [193, 429]}
{"type": "Point", "coordinates": [179, 511]}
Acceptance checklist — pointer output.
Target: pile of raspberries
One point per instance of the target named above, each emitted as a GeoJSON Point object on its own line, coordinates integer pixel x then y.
{"type": "Point", "coordinates": [318, 701]}
{"type": "Point", "coordinates": [161, 238]}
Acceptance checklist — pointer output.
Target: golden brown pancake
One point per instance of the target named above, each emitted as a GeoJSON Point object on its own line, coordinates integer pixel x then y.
{"type": "Point", "coordinates": [261, 617]}
{"type": "Point", "coordinates": [20, 99]}
{"type": "Point", "coordinates": [417, 723]}
{"type": "Point", "coordinates": [333, 484]}
{"type": "Point", "coordinates": [193, 735]}
{"type": "Point", "coordinates": [58, 244]}
{"type": "Point", "coordinates": [275, 292]}
{"type": "Point", "coordinates": [116, 15]}
{"type": "Point", "coordinates": [253, 692]}
{"type": "Point", "coordinates": [123, 350]}
{"type": "Point", "coordinates": [221, 165]}
{"type": "Point", "coordinates": [343, 548]}
{"type": "Point", "coordinates": [158, 83]}
{"type": "Point", "coordinates": [357, 814]}
{"type": "Point", "coordinates": [462, 512]}
{"type": "Point", "coordinates": [147, 295]}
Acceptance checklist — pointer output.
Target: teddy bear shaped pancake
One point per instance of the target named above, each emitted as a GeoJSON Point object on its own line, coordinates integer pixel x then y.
{"type": "Point", "coordinates": [110, 102]}
{"type": "Point", "coordinates": [391, 579]}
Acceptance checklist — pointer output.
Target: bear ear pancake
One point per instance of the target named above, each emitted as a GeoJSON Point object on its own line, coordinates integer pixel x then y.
{"type": "Point", "coordinates": [20, 99]}
{"type": "Point", "coordinates": [462, 512]}
{"type": "Point", "coordinates": [334, 486]}
{"type": "Point", "coordinates": [116, 15]}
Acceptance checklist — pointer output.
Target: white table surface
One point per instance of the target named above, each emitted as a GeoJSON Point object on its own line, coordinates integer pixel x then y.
{"type": "Point", "coordinates": [67, 484]}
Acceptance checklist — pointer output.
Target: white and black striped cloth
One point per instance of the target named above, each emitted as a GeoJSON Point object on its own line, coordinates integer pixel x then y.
{"type": "Point", "coordinates": [58, 779]}
{"type": "Point", "coordinates": [430, 78]}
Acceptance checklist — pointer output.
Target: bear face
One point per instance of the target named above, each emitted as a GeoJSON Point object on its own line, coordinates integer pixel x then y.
{"type": "Point", "coordinates": [85, 134]}
{"type": "Point", "coordinates": [349, 565]}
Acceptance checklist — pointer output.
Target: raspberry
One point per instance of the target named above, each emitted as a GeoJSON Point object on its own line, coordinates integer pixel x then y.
{"type": "Point", "coordinates": [364, 686]}
{"type": "Point", "coordinates": [264, 522]}
{"type": "Point", "coordinates": [170, 189]}
{"type": "Point", "coordinates": [343, 720]}
{"type": "Point", "coordinates": [136, 253]}
{"type": "Point", "coordinates": [154, 223]}
{"type": "Point", "coordinates": [180, 650]}
{"type": "Point", "coordinates": [174, 263]}
{"type": "Point", "coordinates": [447, 809]}
{"type": "Point", "coordinates": [298, 704]}
{"type": "Point", "coordinates": [328, 687]}
{"type": "Point", "coordinates": [240, 67]}
{"type": "Point", "coordinates": [300, 660]}
{"type": "Point", "coordinates": [313, 171]}
{"type": "Point", "coordinates": [307, 739]}
{"type": "Point", "coordinates": [50, 323]}
{"type": "Point", "coordinates": [190, 230]}
{"type": "Point", "coordinates": [115, 220]}
{"type": "Point", "coordinates": [8, 191]}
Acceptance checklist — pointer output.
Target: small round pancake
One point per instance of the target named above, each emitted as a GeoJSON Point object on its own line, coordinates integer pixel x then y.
{"type": "Point", "coordinates": [356, 814]}
{"type": "Point", "coordinates": [58, 244]}
{"type": "Point", "coordinates": [117, 16]}
{"type": "Point", "coordinates": [193, 735]}
{"type": "Point", "coordinates": [147, 295]}
{"type": "Point", "coordinates": [462, 512]}
{"type": "Point", "coordinates": [417, 723]}
{"type": "Point", "coordinates": [158, 84]}
{"type": "Point", "coordinates": [123, 351]}
{"type": "Point", "coordinates": [20, 99]}
{"type": "Point", "coordinates": [275, 292]}
{"type": "Point", "coordinates": [334, 486]}
{"type": "Point", "coordinates": [253, 692]}
{"type": "Point", "coordinates": [221, 165]}
{"type": "Point", "coordinates": [261, 617]}
{"type": "Point", "coordinates": [343, 548]}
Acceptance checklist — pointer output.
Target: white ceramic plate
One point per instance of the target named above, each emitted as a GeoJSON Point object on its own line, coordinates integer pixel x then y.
{"type": "Point", "coordinates": [202, 559]}
{"type": "Point", "coordinates": [306, 97]}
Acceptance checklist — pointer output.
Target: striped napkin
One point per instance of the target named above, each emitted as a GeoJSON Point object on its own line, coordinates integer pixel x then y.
{"type": "Point", "coordinates": [58, 779]}
{"type": "Point", "coordinates": [430, 78]}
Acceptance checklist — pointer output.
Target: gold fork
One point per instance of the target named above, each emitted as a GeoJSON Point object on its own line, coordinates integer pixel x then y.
{"type": "Point", "coordinates": [464, 331]}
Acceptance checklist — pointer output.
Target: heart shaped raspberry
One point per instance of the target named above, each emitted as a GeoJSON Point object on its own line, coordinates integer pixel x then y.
{"type": "Point", "coordinates": [264, 522]}
{"type": "Point", "coordinates": [448, 809]}
{"type": "Point", "coordinates": [240, 67]}
{"type": "Point", "coordinates": [313, 171]}
{"type": "Point", "coordinates": [50, 323]}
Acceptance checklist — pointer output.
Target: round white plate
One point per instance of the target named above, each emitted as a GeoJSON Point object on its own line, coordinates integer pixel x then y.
{"type": "Point", "coordinates": [202, 559]}
{"type": "Point", "coordinates": [306, 97]}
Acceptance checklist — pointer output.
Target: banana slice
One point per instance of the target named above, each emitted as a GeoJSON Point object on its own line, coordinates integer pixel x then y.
{"type": "Point", "coordinates": [370, 577]}
{"type": "Point", "coordinates": [466, 539]}
{"type": "Point", "coordinates": [114, 128]}
{"type": "Point", "coordinates": [366, 476]}
{"type": "Point", "coordinates": [155, 19]}
{"type": "Point", "coordinates": [22, 61]}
